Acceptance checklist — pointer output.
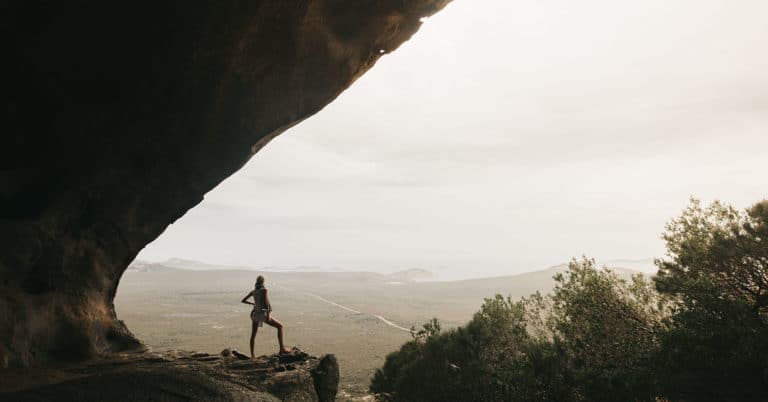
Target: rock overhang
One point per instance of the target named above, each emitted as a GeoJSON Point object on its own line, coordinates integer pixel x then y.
{"type": "Point", "coordinates": [117, 118]}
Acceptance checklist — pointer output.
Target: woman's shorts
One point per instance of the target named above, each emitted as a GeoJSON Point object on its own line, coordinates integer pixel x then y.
{"type": "Point", "coordinates": [258, 316]}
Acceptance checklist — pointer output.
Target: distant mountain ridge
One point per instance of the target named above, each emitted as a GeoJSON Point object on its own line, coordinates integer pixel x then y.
{"type": "Point", "coordinates": [192, 265]}
{"type": "Point", "coordinates": [413, 275]}
{"type": "Point", "coordinates": [144, 266]}
{"type": "Point", "coordinates": [645, 265]}
{"type": "Point", "coordinates": [624, 267]}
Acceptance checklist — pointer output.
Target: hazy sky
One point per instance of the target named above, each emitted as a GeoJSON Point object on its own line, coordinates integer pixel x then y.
{"type": "Point", "coordinates": [507, 136]}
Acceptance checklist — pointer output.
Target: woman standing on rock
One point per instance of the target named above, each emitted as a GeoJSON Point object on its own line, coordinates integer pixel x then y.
{"type": "Point", "coordinates": [261, 313]}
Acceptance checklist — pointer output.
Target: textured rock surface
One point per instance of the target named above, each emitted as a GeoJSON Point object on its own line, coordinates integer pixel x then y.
{"type": "Point", "coordinates": [181, 376]}
{"type": "Point", "coordinates": [117, 117]}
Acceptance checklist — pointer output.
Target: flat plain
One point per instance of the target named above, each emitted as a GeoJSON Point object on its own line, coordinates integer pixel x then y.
{"type": "Point", "coordinates": [358, 316]}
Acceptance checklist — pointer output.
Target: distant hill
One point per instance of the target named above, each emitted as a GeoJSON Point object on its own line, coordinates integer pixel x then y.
{"type": "Point", "coordinates": [192, 265]}
{"type": "Point", "coordinates": [412, 275]}
{"type": "Point", "coordinates": [645, 265]}
{"type": "Point", "coordinates": [143, 266]}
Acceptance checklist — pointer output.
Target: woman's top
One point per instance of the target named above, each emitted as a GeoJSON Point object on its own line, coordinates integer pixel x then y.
{"type": "Point", "coordinates": [258, 300]}
{"type": "Point", "coordinates": [260, 312]}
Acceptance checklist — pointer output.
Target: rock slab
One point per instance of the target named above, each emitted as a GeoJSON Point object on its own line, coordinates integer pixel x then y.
{"type": "Point", "coordinates": [181, 376]}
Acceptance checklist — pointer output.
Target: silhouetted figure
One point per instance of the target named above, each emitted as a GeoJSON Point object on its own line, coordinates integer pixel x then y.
{"type": "Point", "coordinates": [262, 312]}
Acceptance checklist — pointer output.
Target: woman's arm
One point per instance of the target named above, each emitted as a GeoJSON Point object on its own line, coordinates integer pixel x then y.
{"type": "Point", "coordinates": [245, 299]}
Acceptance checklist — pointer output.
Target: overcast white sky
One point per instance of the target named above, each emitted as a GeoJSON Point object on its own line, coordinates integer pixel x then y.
{"type": "Point", "coordinates": [507, 136]}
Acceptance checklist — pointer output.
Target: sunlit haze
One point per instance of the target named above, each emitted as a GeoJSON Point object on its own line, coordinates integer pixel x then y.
{"type": "Point", "coordinates": [507, 136]}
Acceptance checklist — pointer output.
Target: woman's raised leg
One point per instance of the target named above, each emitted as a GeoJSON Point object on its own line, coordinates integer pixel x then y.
{"type": "Point", "coordinates": [273, 322]}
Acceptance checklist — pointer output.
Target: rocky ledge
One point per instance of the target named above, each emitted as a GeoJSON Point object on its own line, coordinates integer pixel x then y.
{"type": "Point", "coordinates": [180, 376]}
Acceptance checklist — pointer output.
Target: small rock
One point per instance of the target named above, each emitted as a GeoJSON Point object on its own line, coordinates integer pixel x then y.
{"type": "Point", "coordinates": [155, 358]}
{"type": "Point", "coordinates": [295, 355]}
{"type": "Point", "coordinates": [240, 355]}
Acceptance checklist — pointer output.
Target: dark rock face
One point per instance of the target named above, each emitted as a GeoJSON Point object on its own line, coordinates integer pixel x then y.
{"type": "Point", "coordinates": [117, 117]}
{"type": "Point", "coordinates": [180, 376]}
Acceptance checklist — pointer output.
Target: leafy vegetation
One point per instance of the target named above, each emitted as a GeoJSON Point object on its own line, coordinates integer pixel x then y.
{"type": "Point", "coordinates": [716, 345]}
{"type": "Point", "coordinates": [697, 331]}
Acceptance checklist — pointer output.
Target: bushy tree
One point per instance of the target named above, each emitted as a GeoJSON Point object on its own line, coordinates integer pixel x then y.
{"type": "Point", "coordinates": [608, 330]}
{"type": "Point", "coordinates": [716, 268]}
{"type": "Point", "coordinates": [717, 248]}
{"type": "Point", "coordinates": [474, 362]}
